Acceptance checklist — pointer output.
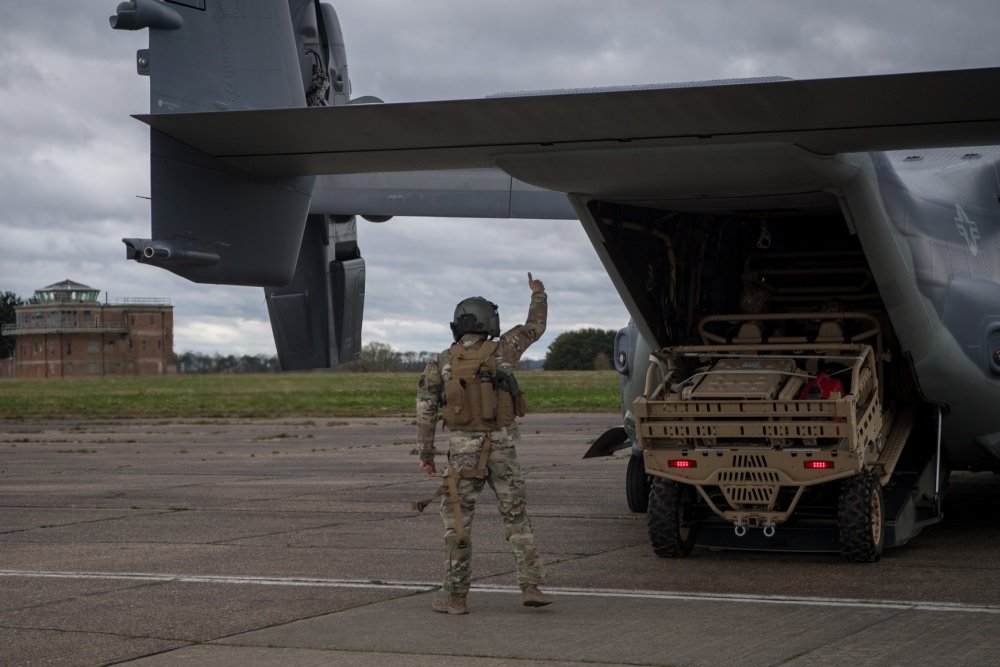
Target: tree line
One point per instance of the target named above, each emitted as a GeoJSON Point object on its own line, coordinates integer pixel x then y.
{"type": "Point", "coordinates": [8, 300]}
{"type": "Point", "coordinates": [203, 364]}
{"type": "Point", "coordinates": [584, 349]}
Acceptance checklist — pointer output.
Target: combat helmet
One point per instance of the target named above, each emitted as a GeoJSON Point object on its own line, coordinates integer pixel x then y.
{"type": "Point", "coordinates": [476, 315]}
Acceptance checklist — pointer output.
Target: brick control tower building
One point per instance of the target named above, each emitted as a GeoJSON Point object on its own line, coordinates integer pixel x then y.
{"type": "Point", "coordinates": [66, 332]}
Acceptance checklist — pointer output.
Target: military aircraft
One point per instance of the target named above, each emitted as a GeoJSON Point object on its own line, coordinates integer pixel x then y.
{"type": "Point", "coordinates": [873, 194]}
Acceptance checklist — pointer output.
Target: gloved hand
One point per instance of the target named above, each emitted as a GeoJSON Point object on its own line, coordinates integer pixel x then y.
{"type": "Point", "coordinates": [427, 460]}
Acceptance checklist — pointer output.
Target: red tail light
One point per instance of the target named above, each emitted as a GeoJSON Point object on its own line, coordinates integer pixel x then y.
{"type": "Point", "coordinates": [682, 463]}
{"type": "Point", "coordinates": [817, 464]}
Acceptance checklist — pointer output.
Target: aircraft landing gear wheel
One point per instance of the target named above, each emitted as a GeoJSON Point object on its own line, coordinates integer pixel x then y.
{"type": "Point", "coordinates": [861, 517]}
{"type": "Point", "coordinates": [637, 484]}
{"type": "Point", "coordinates": [671, 530]}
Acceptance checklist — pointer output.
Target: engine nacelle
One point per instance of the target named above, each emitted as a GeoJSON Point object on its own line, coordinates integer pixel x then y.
{"type": "Point", "coordinates": [139, 14]}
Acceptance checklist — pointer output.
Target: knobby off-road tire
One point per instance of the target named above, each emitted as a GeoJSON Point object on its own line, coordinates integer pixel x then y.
{"type": "Point", "coordinates": [637, 484]}
{"type": "Point", "coordinates": [861, 517]}
{"type": "Point", "coordinates": [671, 532]}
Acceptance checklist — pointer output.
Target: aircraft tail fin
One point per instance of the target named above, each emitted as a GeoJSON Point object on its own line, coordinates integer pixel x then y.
{"type": "Point", "coordinates": [218, 223]}
{"type": "Point", "coordinates": [211, 222]}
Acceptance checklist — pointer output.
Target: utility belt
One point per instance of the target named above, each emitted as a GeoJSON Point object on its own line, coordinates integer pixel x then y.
{"type": "Point", "coordinates": [449, 487]}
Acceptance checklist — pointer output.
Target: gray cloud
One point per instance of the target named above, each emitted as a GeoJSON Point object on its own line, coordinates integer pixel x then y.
{"type": "Point", "coordinates": [73, 161]}
{"type": "Point", "coordinates": [447, 49]}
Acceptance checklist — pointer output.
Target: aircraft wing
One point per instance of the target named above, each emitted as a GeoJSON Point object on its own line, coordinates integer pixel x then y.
{"type": "Point", "coordinates": [823, 116]}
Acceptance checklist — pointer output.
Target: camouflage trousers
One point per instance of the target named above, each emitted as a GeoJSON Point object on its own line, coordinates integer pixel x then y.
{"type": "Point", "coordinates": [505, 478]}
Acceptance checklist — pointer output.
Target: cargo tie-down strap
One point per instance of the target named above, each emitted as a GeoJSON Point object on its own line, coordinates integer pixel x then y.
{"type": "Point", "coordinates": [449, 486]}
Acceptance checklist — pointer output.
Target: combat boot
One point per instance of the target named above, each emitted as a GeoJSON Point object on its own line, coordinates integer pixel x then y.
{"type": "Point", "coordinates": [450, 603]}
{"type": "Point", "coordinates": [532, 597]}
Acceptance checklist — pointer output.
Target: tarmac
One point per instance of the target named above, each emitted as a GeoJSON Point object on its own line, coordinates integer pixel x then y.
{"type": "Point", "coordinates": [292, 542]}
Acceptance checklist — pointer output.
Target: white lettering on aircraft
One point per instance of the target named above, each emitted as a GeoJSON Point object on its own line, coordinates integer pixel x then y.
{"type": "Point", "coordinates": [967, 229]}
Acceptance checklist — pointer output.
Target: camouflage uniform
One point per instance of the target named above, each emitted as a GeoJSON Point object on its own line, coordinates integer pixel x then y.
{"type": "Point", "coordinates": [464, 448]}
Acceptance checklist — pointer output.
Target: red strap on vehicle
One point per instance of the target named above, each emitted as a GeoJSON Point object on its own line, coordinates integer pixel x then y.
{"type": "Point", "coordinates": [821, 387]}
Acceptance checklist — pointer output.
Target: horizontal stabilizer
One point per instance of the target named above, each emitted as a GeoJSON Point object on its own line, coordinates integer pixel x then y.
{"type": "Point", "coordinates": [824, 116]}
{"type": "Point", "coordinates": [215, 224]}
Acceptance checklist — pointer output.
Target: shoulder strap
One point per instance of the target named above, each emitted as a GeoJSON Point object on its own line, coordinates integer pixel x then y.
{"type": "Point", "coordinates": [483, 352]}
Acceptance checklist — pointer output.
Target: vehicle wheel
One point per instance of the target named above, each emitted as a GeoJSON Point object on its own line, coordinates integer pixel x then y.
{"type": "Point", "coordinates": [671, 530]}
{"type": "Point", "coordinates": [637, 484]}
{"type": "Point", "coordinates": [861, 517]}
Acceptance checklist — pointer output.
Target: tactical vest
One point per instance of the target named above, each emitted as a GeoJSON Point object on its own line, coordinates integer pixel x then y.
{"type": "Point", "coordinates": [479, 397]}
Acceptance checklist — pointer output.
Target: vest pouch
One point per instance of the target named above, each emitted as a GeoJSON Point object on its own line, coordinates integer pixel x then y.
{"type": "Point", "coordinates": [473, 403]}
{"type": "Point", "coordinates": [471, 394]}
{"type": "Point", "coordinates": [457, 412]}
{"type": "Point", "coordinates": [487, 401]}
{"type": "Point", "coordinates": [520, 405]}
{"type": "Point", "coordinates": [505, 408]}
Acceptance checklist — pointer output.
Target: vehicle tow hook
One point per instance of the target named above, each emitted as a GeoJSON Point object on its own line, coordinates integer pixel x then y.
{"type": "Point", "coordinates": [740, 529]}
{"type": "Point", "coordinates": [769, 530]}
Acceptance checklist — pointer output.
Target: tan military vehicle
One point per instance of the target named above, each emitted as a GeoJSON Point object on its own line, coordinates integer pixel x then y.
{"type": "Point", "coordinates": [775, 421]}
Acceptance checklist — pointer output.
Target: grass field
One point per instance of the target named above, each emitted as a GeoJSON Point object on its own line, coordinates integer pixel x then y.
{"type": "Point", "coordinates": [277, 395]}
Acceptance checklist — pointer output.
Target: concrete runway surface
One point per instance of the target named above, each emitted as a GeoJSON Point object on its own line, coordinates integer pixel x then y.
{"type": "Point", "coordinates": [292, 542]}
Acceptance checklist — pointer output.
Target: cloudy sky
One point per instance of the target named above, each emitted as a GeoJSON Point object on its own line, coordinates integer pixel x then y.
{"type": "Point", "coordinates": [74, 166]}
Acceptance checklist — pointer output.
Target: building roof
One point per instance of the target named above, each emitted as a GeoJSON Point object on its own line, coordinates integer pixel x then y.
{"type": "Point", "coordinates": [67, 285]}
{"type": "Point", "coordinates": [67, 291]}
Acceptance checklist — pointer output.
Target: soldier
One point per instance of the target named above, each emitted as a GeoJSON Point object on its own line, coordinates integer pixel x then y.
{"type": "Point", "coordinates": [471, 388]}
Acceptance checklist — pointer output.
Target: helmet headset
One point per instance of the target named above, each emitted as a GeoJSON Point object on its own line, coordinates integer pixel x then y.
{"type": "Point", "coordinates": [476, 315]}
